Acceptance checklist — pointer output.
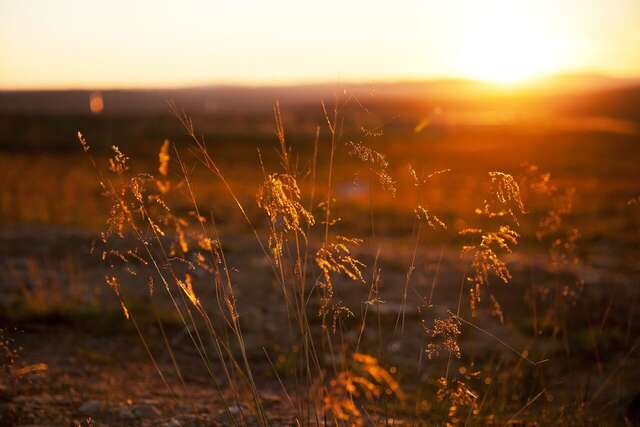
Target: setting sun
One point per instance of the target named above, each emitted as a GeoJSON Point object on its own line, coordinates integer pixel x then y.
{"type": "Point", "coordinates": [507, 43]}
{"type": "Point", "coordinates": [499, 59]}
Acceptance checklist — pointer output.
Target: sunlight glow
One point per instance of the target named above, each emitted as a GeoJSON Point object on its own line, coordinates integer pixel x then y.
{"type": "Point", "coordinates": [508, 43]}
{"type": "Point", "coordinates": [163, 43]}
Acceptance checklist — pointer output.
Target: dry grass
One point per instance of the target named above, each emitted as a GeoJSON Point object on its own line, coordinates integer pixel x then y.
{"type": "Point", "coordinates": [332, 380]}
{"type": "Point", "coordinates": [371, 327]}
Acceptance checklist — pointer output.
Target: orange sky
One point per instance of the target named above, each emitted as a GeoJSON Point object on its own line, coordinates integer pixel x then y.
{"type": "Point", "coordinates": [152, 43]}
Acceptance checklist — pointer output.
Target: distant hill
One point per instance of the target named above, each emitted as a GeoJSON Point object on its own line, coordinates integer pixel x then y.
{"type": "Point", "coordinates": [568, 93]}
{"type": "Point", "coordinates": [212, 99]}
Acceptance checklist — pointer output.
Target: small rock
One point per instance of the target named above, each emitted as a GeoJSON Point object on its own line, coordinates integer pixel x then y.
{"type": "Point", "coordinates": [395, 346]}
{"type": "Point", "coordinates": [145, 411]}
{"type": "Point", "coordinates": [173, 423]}
{"type": "Point", "coordinates": [234, 409]}
{"type": "Point", "coordinates": [125, 412]}
{"type": "Point", "coordinates": [91, 407]}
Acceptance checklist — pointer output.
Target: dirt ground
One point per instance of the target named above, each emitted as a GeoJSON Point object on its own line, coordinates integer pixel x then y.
{"type": "Point", "coordinates": [80, 363]}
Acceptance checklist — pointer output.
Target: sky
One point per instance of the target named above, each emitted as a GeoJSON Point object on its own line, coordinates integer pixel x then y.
{"type": "Point", "coordinates": [55, 44]}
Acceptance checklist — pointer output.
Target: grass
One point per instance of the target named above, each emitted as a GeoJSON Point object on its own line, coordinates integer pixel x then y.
{"type": "Point", "coordinates": [367, 286]}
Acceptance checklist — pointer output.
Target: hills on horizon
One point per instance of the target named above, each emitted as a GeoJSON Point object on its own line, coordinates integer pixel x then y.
{"type": "Point", "coordinates": [222, 98]}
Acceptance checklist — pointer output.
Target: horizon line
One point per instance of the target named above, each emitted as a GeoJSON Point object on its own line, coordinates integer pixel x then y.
{"type": "Point", "coordinates": [293, 83]}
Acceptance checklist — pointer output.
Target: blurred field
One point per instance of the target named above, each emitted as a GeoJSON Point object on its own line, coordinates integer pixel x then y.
{"type": "Point", "coordinates": [579, 315]}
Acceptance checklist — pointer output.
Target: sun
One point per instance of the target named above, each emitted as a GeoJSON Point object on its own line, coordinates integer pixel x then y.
{"type": "Point", "coordinates": [501, 58]}
{"type": "Point", "coordinates": [506, 43]}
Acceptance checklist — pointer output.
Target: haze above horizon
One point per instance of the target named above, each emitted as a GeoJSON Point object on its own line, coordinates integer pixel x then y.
{"type": "Point", "coordinates": [144, 43]}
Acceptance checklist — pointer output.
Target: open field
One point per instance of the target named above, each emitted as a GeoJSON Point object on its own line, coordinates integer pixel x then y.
{"type": "Point", "coordinates": [228, 268]}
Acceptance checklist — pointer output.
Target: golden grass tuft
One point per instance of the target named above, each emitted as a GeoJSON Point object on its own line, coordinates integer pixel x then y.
{"type": "Point", "coordinates": [329, 379]}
